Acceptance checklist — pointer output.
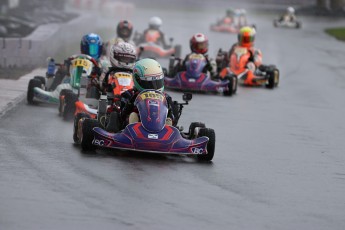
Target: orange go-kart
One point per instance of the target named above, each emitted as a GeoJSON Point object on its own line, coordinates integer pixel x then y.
{"type": "Point", "coordinates": [148, 46]}
{"type": "Point", "coordinates": [121, 82]}
{"type": "Point", "coordinates": [245, 71]}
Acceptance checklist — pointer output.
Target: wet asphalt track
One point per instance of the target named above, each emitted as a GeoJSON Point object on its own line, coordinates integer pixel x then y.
{"type": "Point", "coordinates": [279, 161]}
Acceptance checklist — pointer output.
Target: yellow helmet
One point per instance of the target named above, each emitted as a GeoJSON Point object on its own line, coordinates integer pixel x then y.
{"type": "Point", "coordinates": [246, 36]}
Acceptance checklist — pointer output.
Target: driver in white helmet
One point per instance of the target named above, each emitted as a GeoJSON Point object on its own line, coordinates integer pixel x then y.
{"type": "Point", "coordinates": [153, 33]}
{"type": "Point", "coordinates": [289, 15]}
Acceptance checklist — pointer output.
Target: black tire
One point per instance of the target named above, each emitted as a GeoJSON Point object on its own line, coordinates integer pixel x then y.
{"type": "Point", "coordinates": [276, 74]}
{"type": "Point", "coordinates": [30, 94]}
{"type": "Point", "coordinates": [178, 50]}
{"type": "Point", "coordinates": [192, 127]}
{"type": "Point", "coordinates": [61, 102]}
{"type": "Point", "coordinates": [232, 86]}
{"type": "Point", "coordinates": [42, 79]}
{"type": "Point", "coordinates": [114, 123]}
{"type": "Point", "coordinates": [75, 126]}
{"type": "Point", "coordinates": [69, 105]}
{"type": "Point", "coordinates": [87, 134]}
{"type": "Point", "coordinates": [210, 145]}
{"type": "Point", "coordinates": [270, 84]}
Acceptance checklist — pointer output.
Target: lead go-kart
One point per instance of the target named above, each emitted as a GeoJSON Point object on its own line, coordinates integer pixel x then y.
{"type": "Point", "coordinates": [247, 75]}
{"type": "Point", "coordinates": [194, 79]}
{"type": "Point", "coordinates": [151, 134]}
{"type": "Point", "coordinates": [294, 24]}
{"type": "Point", "coordinates": [151, 49]}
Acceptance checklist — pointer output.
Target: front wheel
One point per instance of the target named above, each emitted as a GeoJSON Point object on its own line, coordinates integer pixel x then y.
{"type": "Point", "coordinates": [192, 127]}
{"type": "Point", "coordinates": [87, 134]}
{"type": "Point", "coordinates": [30, 94]}
{"type": "Point", "coordinates": [273, 78]}
{"type": "Point", "coordinates": [210, 145]}
{"type": "Point", "coordinates": [76, 127]}
{"type": "Point", "coordinates": [69, 105]}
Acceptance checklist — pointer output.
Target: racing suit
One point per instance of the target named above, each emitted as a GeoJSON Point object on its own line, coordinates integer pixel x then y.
{"type": "Point", "coordinates": [156, 36]}
{"type": "Point", "coordinates": [254, 62]}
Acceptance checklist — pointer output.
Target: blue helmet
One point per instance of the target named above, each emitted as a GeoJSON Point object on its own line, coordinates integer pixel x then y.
{"type": "Point", "coordinates": [92, 45]}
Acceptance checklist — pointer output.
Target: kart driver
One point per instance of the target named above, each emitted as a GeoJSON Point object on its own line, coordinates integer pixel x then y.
{"type": "Point", "coordinates": [122, 58]}
{"type": "Point", "coordinates": [91, 44]}
{"type": "Point", "coordinates": [154, 34]}
{"type": "Point", "coordinates": [198, 45]}
{"type": "Point", "coordinates": [246, 38]}
{"type": "Point", "coordinates": [147, 74]}
{"type": "Point", "coordinates": [124, 31]}
{"type": "Point", "coordinates": [289, 15]}
{"type": "Point", "coordinates": [229, 17]}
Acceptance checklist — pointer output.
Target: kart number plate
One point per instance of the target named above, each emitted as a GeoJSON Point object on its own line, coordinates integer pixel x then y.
{"type": "Point", "coordinates": [151, 95]}
{"type": "Point", "coordinates": [81, 63]}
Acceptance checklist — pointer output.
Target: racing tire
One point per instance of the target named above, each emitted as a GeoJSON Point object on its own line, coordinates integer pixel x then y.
{"type": "Point", "coordinates": [75, 126]}
{"type": "Point", "coordinates": [69, 105]}
{"type": "Point", "coordinates": [193, 126]}
{"type": "Point", "coordinates": [210, 145]}
{"type": "Point", "coordinates": [61, 101]}
{"type": "Point", "coordinates": [178, 50]}
{"type": "Point", "coordinates": [87, 134]}
{"type": "Point", "coordinates": [114, 123]}
{"type": "Point", "coordinates": [232, 86]}
{"type": "Point", "coordinates": [273, 78]}
{"type": "Point", "coordinates": [42, 79]}
{"type": "Point", "coordinates": [30, 94]}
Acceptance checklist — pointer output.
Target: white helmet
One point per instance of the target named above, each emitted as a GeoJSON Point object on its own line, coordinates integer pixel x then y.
{"type": "Point", "coordinates": [155, 22]}
{"type": "Point", "coordinates": [290, 10]}
{"type": "Point", "coordinates": [123, 55]}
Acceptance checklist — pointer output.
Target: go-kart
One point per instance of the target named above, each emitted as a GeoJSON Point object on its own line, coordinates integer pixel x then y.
{"type": "Point", "coordinates": [246, 73]}
{"type": "Point", "coordinates": [295, 24]}
{"type": "Point", "coordinates": [84, 91]}
{"type": "Point", "coordinates": [121, 81]}
{"type": "Point", "coordinates": [194, 79]}
{"type": "Point", "coordinates": [226, 28]}
{"type": "Point", "coordinates": [151, 134]}
{"type": "Point", "coordinates": [147, 48]}
{"type": "Point", "coordinates": [47, 89]}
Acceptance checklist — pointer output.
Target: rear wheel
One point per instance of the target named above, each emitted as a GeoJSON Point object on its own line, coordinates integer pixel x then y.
{"type": "Point", "coordinates": [42, 79]}
{"type": "Point", "coordinates": [62, 99]}
{"type": "Point", "coordinates": [192, 128]}
{"type": "Point", "coordinates": [210, 145]}
{"type": "Point", "coordinates": [273, 78]}
{"type": "Point", "coordinates": [30, 94]}
{"type": "Point", "coordinates": [87, 134]}
{"type": "Point", "coordinates": [76, 124]}
{"type": "Point", "coordinates": [232, 86]}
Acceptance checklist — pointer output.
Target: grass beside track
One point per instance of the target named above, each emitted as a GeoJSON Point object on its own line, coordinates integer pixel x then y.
{"type": "Point", "coordinates": [338, 33]}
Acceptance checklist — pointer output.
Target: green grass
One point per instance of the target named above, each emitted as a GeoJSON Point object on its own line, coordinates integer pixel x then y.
{"type": "Point", "coordinates": [338, 33]}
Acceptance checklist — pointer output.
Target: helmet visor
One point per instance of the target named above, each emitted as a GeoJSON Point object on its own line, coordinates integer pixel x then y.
{"type": "Point", "coordinates": [247, 39]}
{"type": "Point", "coordinates": [93, 50]}
{"type": "Point", "coordinates": [201, 45]}
{"type": "Point", "coordinates": [125, 58]}
{"type": "Point", "coordinates": [156, 84]}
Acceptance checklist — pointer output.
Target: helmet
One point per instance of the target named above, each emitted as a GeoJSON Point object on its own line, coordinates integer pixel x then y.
{"type": "Point", "coordinates": [122, 55]}
{"type": "Point", "coordinates": [246, 36]}
{"type": "Point", "coordinates": [124, 29]}
{"type": "Point", "coordinates": [155, 23]}
{"type": "Point", "coordinates": [290, 10]}
{"type": "Point", "coordinates": [199, 43]}
{"type": "Point", "coordinates": [92, 45]}
{"type": "Point", "coordinates": [148, 74]}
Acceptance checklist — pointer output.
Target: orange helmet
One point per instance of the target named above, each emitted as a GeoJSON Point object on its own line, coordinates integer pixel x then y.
{"type": "Point", "coordinates": [199, 43]}
{"type": "Point", "coordinates": [246, 36]}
